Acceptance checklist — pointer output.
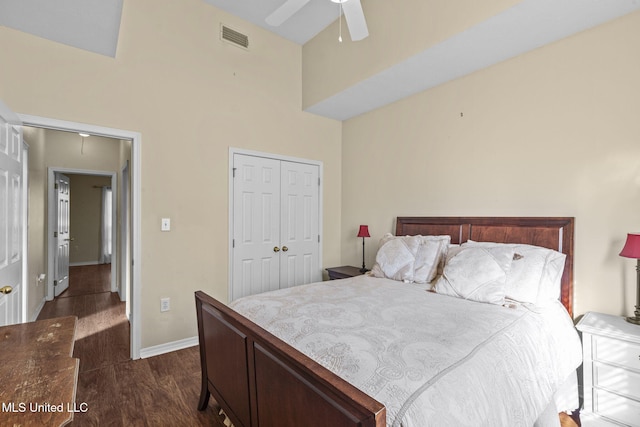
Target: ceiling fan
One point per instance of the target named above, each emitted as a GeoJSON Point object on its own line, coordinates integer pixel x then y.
{"type": "Point", "coordinates": [352, 12]}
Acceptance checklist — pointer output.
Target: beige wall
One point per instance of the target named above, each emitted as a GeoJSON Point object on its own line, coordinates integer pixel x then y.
{"type": "Point", "coordinates": [36, 231]}
{"type": "Point", "coordinates": [86, 213]}
{"type": "Point", "coordinates": [554, 132]}
{"type": "Point", "coordinates": [191, 97]}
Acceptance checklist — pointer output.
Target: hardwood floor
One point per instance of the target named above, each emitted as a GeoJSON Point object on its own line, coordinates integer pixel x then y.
{"type": "Point", "coordinates": [158, 391]}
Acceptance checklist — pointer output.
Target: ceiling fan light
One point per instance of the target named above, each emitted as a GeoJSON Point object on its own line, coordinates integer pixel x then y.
{"type": "Point", "coordinates": [339, 1]}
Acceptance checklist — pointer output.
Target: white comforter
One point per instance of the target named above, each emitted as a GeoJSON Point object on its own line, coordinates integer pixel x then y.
{"type": "Point", "coordinates": [432, 360]}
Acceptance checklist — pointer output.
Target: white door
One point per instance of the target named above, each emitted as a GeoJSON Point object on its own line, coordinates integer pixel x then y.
{"type": "Point", "coordinates": [11, 219]}
{"type": "Point", "coordinates": [256, 227]}
{"type": "Point", "coordinates": [275, 224]}
{"type": "Point", "coordinates": [299, 221]}
{"type": "Point", "coordinates": [61, 235]}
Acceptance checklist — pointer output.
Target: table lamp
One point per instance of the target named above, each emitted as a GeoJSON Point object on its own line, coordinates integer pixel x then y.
{"type": "Point", "coordinates": [363, 232]}
{"type": "Point", "coordinates": [632, 250]}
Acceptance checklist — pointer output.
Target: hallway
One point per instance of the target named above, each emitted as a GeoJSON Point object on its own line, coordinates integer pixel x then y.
{"type": "Point", "coordinates": [102, 334]}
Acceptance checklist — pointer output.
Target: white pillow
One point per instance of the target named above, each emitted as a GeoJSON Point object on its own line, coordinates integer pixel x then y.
{"type": "Point", "coordinates": [409, 258]}
{"type": "Point", "coordinates": [431, 255]}
{"type": "Point", "coordinates": [477, 274]}
{"type": "Point", "coordinates": [536, 272]}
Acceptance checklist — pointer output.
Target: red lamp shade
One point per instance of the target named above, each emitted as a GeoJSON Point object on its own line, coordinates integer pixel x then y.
{"type": "Point", "coordinates": [364, 231]}
{"type": "Point", "coordinates": [632, 246]}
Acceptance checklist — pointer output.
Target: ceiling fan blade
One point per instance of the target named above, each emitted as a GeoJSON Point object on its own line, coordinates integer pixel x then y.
{"type": "Point", "coordinates": [355, 19]}
{"type": "Point", "coordinates": [285, 12]}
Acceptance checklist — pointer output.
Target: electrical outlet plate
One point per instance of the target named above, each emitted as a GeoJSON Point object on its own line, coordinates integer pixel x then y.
{"type": "Point", "coordinates": [165, 304]}
{"type": "Point", "coordinates": [166, 224]}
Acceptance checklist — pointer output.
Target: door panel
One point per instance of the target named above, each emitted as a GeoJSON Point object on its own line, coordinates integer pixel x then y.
{"type": "Point", "coordinates": [11, 218]}
{"type": "Point", "coordinates": [256, 228]}
{"type": "Point", "coordinates": [300, 224]}
{"type": "Point", "coordinates": [61, 258]}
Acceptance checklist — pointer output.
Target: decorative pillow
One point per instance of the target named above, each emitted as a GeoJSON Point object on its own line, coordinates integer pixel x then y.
{"type": "Point", "coordinates": [451, 251]}
{"type": "Point", "coordinates": [477, 274]}
{"type": "Point", "coordinates": [431, 254]}
{"type": "Point", "coordinates": [536, 272]}
{"type": "Point", "coordinates": [409, 258]}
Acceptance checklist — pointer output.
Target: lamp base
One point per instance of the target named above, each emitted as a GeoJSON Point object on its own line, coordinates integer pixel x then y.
{"type": "Point", "coordinates": [364, 270]}
{"type": "Point", "coordinates": [635, 320]}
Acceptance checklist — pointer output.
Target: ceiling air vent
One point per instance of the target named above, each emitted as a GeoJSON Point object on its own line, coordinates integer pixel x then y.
{"type": "Point", "coordinates": [232, 36]}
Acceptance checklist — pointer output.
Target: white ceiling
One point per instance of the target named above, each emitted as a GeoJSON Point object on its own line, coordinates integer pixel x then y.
{"type": "Point", "coordinates": [94, 25]}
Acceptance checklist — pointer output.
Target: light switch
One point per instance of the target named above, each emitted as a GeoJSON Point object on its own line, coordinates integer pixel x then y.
{"type": "Point", "coordinates": [166, 224]}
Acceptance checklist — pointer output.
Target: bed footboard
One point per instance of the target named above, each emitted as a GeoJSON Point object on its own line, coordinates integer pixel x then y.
{"type": "Point", "coordinates": [258, 380]}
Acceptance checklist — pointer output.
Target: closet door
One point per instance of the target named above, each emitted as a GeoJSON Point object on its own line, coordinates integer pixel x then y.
{"type": "Point", "coordinates": [299, 221]}
{"type": "Point", "coordinates": [275, 223]}
{"type": "Point", "coordinates": [256, 225]}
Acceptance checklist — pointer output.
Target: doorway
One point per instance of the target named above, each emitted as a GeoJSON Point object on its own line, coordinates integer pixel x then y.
{"type": "Point", "coordinates": [133, 294]}
{"type": "Point", "coordinates": [84, 248]}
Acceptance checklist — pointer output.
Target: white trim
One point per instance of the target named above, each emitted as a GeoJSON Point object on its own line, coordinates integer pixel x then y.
{"type": "Point", "coordinates": [25, 234]}
{"type": "Point", "coordinates": [232, 152]}
{"type": "Point", "coordinates": [80, 264]}
{"type": "Point", "coordinates": [36, 313]}
{"type": "Point", "coordinates": [136, 221]}
{"type": "Point", "coordinates": [159, 349]}
{"type": "Point", "coordinates": [123, 249]}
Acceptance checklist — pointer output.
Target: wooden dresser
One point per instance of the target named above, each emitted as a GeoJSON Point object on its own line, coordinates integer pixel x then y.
{"type": "Point", "coordinates": [611, 370]}
{"type": "Point", "coordinates": [39, 375]}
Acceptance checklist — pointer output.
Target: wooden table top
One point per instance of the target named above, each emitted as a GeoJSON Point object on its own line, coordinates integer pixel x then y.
{"type": "Point", "coordinates": [39, 376]}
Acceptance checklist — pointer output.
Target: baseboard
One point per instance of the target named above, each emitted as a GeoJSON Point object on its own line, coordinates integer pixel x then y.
{"type": "Point", "coordinates": [79, 264]}
{"type": "Point", "coordinates": [159, 349]}
{"type": "Point", "coordinates": [36, 313]}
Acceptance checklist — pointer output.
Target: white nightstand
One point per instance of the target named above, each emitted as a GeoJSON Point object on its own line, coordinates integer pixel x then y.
{"type": "Point", "coordinates": [611, 370]}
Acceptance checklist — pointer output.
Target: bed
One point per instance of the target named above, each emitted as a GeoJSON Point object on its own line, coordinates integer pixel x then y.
{"type": "Point", "coordinates": [316, 367]}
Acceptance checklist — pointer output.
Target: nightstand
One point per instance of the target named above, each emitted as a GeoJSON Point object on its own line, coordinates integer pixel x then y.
{"type": "Point", "coordinates": [611, 370]}
{"type": "Point", "coordinates": [343, 272]}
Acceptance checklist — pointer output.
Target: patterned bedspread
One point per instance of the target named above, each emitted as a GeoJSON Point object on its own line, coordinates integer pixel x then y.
{"type": "Point", "coordinates": [432, 360]}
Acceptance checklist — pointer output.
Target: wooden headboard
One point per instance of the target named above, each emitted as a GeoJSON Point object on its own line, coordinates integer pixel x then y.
{"type": "Point", "coordinates": [554, 233]}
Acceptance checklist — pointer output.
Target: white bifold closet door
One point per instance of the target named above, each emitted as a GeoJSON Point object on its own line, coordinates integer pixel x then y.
{"type": "Point", "coordinates": [276, 241]}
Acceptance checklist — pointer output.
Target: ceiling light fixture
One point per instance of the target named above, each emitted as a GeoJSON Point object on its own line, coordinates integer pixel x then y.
{"type": "Point", "coordinates": [83, 135]}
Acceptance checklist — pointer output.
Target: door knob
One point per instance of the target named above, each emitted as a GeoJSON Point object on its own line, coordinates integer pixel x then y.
{"type": "Point", "coordinates": [276, 249]}
{"type": "Point", "coordinates": [6, 289]}
{"type": "Point", "coordinates": [285, 249]}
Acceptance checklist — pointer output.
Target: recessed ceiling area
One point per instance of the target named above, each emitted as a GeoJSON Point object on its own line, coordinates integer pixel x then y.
{"type": "Point", "coordinates": [91, 25]}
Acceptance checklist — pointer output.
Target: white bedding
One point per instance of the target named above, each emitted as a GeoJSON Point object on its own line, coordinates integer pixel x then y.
{"type": "Point", "coordinates": [432, 360]}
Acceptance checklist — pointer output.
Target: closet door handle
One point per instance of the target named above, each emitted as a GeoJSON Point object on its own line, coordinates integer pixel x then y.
{"type": "Point", "coordinates": [285, 249]}
{"type": "Point", "coordinates": [276, 249]}
{"type": "Point", "coordinates": [6, 289]}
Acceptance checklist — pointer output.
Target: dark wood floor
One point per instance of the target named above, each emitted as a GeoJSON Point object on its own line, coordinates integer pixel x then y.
{"type": "Point", "coordinates": [158, 391]}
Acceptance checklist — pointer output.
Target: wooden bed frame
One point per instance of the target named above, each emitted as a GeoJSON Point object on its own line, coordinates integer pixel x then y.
{"type": "Point", "coordinates": [259, 380]}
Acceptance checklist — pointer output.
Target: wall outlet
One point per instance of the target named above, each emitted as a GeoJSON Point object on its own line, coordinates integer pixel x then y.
{"type": "Point", "coordinates": [165, 224]}
{"type": "Point", "coordinates": [165, 304]}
